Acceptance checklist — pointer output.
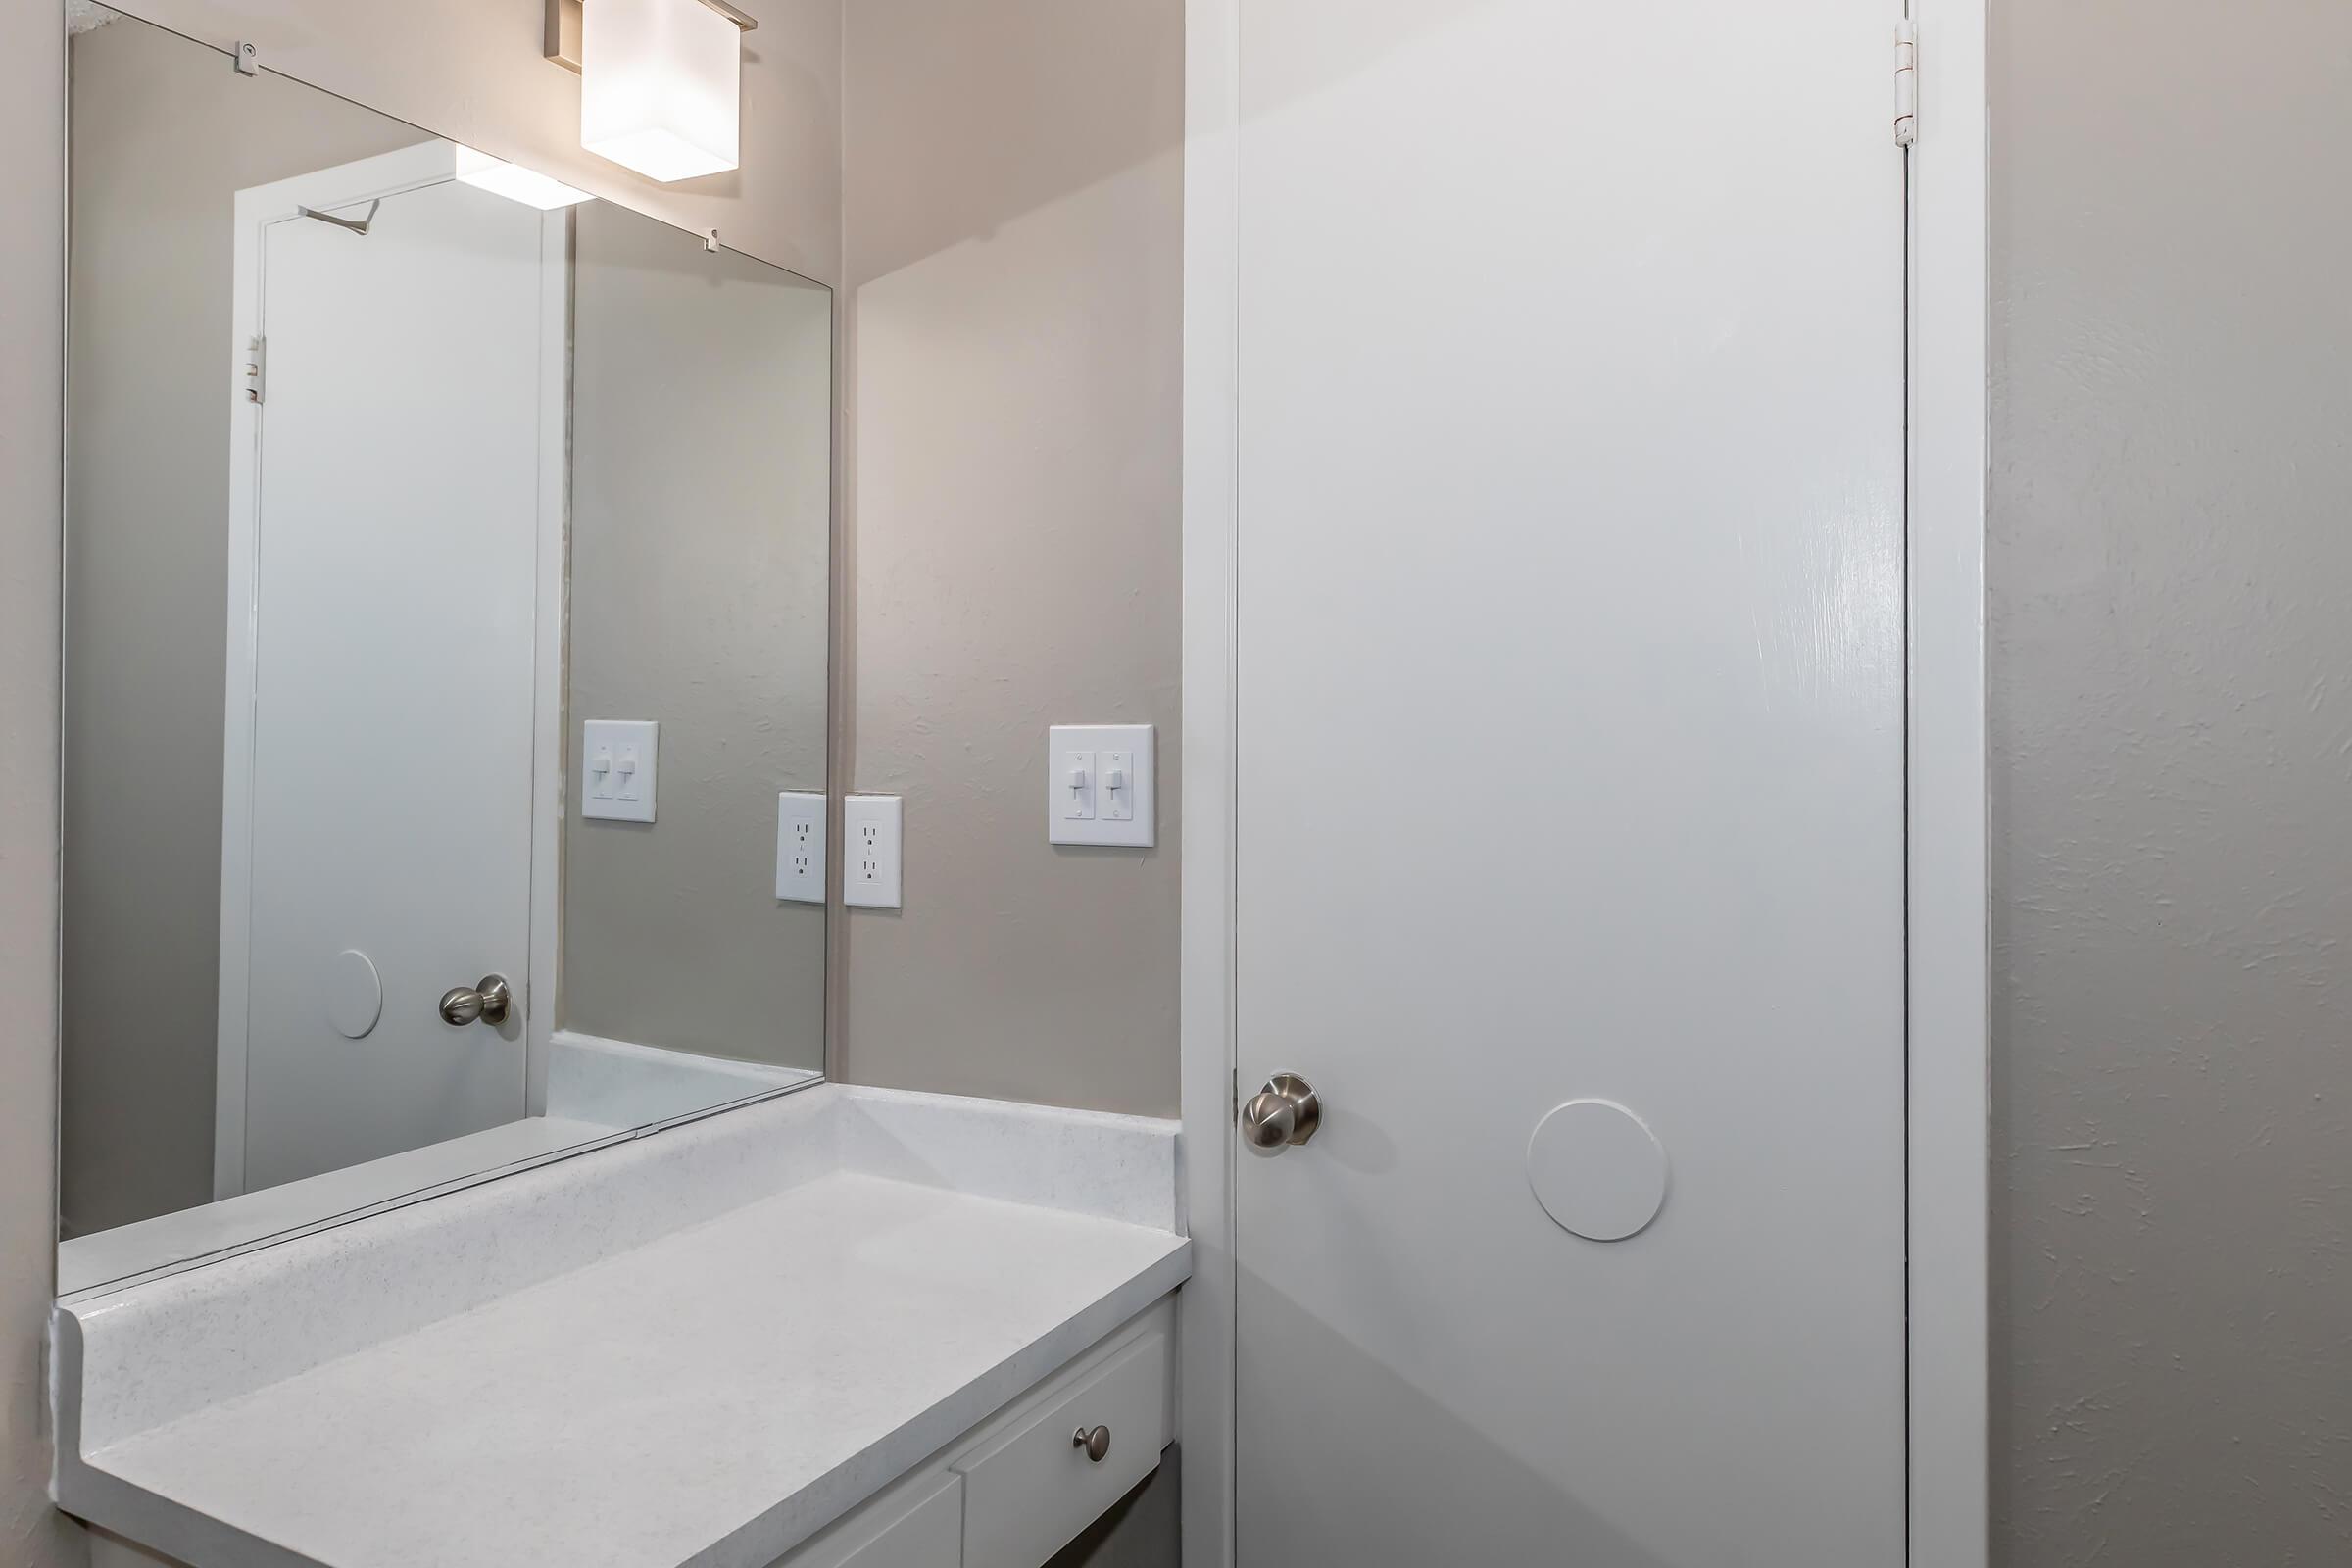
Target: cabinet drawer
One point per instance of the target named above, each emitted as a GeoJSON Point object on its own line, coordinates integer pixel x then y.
{"type": "Point", "coordinates": [1027, 1492]}
{"type": "Point", "coordinates": [899, 1531]}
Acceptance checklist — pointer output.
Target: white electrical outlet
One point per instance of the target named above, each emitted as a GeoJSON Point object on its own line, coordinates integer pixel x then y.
{"type": "Point", "coordinates": [869, 826]}
{"type": "Point", "coordinates": [1099, 785]}
{"type": "Point", "coordinates": [620, 759]}
{"type": "Point", "coordinates": [800, 845]}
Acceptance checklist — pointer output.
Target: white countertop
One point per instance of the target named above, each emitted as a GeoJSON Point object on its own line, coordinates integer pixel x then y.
{"type": "Point", "coordinates": [715, 1394]}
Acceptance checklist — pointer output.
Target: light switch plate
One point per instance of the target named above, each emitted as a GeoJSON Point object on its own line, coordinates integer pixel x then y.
{"type": "Point", "coordinates": [619, 759]}
{"type": "Point", "coordinates": [870, 848]}
{"type": "Point", "coordinates": [1091, 810]}
{"type": "Point", "coordinates": [800, 845]}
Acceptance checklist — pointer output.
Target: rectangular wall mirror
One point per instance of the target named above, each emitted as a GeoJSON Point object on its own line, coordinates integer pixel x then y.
{"type": "Point", "coordinates": [446, 613]}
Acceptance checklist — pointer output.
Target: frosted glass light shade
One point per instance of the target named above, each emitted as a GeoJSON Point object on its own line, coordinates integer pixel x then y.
{"type": "Point", "coordinates": [513, 182]}
{"type": "Point", "coordinates": [660, 86]}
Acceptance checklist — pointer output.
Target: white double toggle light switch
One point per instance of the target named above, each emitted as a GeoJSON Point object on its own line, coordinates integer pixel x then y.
{"type": "Point", "coordinates": [1099, 785]}
{"type": "Point", "coordinates": [619, 759]}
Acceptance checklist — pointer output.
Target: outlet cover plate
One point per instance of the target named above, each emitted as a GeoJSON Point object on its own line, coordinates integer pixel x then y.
{"type": "Point", "coordinates": [870, 851]}
{"type": "Point", "coordinates": [800, 845]}
{"type": "Point", "coordinates": [1124, 816]}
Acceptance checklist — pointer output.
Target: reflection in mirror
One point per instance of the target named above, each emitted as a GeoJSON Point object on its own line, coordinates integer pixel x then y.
{"type": "Point", "coordinates": [446, 609]}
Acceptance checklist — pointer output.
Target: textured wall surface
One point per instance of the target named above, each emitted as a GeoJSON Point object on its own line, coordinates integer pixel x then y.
{"type": "Point", "coordinates": [163, 137]}
{"type": "Point", "coordinates": [2172, 728]}
{"type": "Point", "coordinates": [701, 507]}
{"type": "Point", "coordinates": [32, 117]}
{"type": "Point", "coordinates": [1013, 218]}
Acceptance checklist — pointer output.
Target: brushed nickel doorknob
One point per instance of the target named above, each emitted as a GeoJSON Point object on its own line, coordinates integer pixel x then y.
{"type": "Point", "coordinates": [1284, 1112]}
{"type": "Point", "coordinates": [1096, 1441]}
{"type": "Point", "coordinates": [488, 1002]}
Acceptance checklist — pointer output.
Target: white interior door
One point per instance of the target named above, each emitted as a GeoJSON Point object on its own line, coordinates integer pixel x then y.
{"type": "Point", "coordinates": [1570, 751]}
{"type": "Point", "coordinates": [395, 508]}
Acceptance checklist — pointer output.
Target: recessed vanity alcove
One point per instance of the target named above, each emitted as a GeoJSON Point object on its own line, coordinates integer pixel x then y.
{"type": "Point", "coordinates": [454, 1166]}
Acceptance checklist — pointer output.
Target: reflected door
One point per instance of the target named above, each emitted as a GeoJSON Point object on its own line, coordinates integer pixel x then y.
{"type": "Point", "coordinates": [1571, 769]}
{"type": "Point", "coordinates": [382, 839]}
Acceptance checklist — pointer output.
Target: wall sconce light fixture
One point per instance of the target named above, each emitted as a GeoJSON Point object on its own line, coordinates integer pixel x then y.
{"type": "Point", "coordinates": [661, 81]}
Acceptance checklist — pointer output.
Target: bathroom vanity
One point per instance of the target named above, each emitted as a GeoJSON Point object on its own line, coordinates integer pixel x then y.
{"type": "Point", "coordinates": [845, 1326]}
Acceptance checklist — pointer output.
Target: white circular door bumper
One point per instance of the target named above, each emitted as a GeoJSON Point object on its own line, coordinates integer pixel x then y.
{"type": "Point", "coordinates": [1597, 1169]}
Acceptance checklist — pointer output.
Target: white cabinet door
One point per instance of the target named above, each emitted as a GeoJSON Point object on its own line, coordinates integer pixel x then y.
{"type": "Point", "coordinates": [1571, 767]}
{"type": "Point", "coordinates": [395, 526]}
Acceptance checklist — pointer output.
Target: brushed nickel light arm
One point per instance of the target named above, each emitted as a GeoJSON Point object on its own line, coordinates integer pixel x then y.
{"type": "Point", "coordinates": [562, 39]}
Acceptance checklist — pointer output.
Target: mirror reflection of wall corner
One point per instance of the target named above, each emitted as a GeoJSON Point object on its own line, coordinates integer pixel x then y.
{"type": "Point", "coordinates": [347, 433]}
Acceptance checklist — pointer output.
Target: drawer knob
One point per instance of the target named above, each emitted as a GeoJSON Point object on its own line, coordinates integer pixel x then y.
{"type": "Point", "coordinates": [1096, 1441]}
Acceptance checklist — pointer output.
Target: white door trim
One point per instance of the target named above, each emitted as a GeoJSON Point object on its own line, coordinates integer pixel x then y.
{"type": "Point", "coordinates": [1946, 897]}
{"type": "Point", "coordinates": [1204, 993]}
{"type": "Point", "coordinates": [429, 163]}
{"type": "Point", "coordinates": [1949, 1282]}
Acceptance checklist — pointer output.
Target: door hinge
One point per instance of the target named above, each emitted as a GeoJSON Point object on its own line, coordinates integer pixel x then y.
{"type": "Point", "coordinates": [256, 361]}
{"type": "Point", "coordinates": [1906, 83]}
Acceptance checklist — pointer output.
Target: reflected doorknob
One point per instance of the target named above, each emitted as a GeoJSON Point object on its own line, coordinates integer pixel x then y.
{"type": "Point", "coordinates": [1284, 1112]}
{"type": "Point", "coordinates": [488, 1002]}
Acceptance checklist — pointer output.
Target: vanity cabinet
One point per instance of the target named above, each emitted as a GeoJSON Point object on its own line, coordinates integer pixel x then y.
{"type": "Point", "coordinates": [1020, 1486]}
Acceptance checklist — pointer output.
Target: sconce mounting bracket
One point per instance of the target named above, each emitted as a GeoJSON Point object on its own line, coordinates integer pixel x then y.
{"type": "Point", "coordinates": [562, 35]}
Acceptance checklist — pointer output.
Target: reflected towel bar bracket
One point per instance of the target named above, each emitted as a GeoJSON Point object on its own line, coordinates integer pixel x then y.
{"type": "Point", "coordinates": [358, 226]}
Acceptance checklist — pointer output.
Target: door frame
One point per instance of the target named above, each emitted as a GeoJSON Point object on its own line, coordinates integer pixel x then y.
{"type": "Point", "coordinates": [1948, 1149]}
{"type": "Point", "coordinates": [429, 163]}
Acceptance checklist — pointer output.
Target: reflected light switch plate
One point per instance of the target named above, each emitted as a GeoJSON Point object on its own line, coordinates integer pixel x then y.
{"type": "Point", "coordinates": [1113, 804]}
{"type": "Point", "coordinates": [619, 760]}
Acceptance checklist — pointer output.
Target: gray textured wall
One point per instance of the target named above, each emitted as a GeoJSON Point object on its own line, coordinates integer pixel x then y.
{"type": "Point", "coordinates": [2172, 728]}
{"type": "Point", "coordinates": [1012, 213]}
{"type": "Point", "coordinates": [32, 117]}
{"type": "Point", "coordinates": [701, 504]}
{"type": "Point", "coordinates": [163, 137]}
